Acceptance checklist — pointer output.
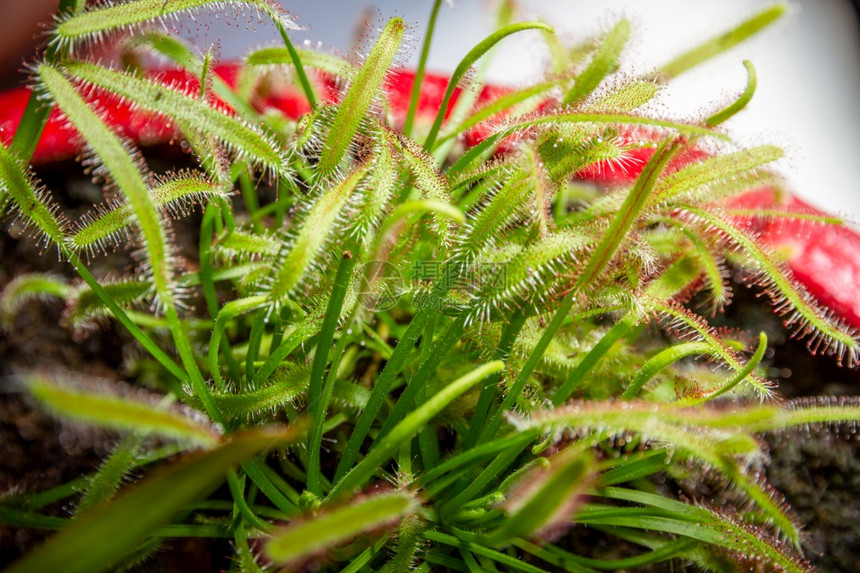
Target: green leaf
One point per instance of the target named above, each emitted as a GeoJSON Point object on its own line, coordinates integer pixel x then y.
{"type": "Point", "coordinates": [740, 168]}
{"type": "Point", "coordinates": [246, 245]}
{"type": "Point", "coordinates": [723, 42]}
{"type": "Point", "coordinates": [41, 286]}
{"type": "Point", "coordinates": [93, 23]}
{"type": "Point", "coordinates": [545, 496]}
{"type": "Point", "coordinates": [329, 63]}
{"type": "Point", "coordinates": [183, 55]}
{"type": "Point", "coordinates": [246, 141]}
{"type": "Point", "coordinates": [317, 229]}
{"type": "Point", "coordinates": [361, 94]}
{"type": "Point", "coordinates": [118, 412]}
{"type": "Point", "coordinates": [499, 209]}
{"type": "Point", "coordinates": [662, 360]}
{"type": "Point", "coordinates": [284, 386]}
{"type": "Point", "coordinates": [117, 159]}
{"type": "Point", "coordinates": [803, 312]}
{"type": "Point", "coordinates": [696, 328]}
{"type": "Point", "coordinates": [409, 426]}
{"type": "Point", "coordinates": [602, 63]}
{"type": "Point", "coordinates": [110, 224]}
{"type": "Point", "coordinates": [100, 539]}
{"type": "Point", "coordinates": [503, 103]}
{"type": "Point", "coordinates": [86, 307]}
{"type": "Point", "coordinates": [109, 478]}
{"type": "Point", "coordinates": [742, 101]}
{"type": "Point", "coordinates": [709, 526]}
{"type": "Point", "coordinates": [335, 526]}
{"type": "Point", "coordinates": [736, 377]}
{"type": "Point", "coordinates": [466, 63]}
{"type": "Point", "coordinates": [33, 204]}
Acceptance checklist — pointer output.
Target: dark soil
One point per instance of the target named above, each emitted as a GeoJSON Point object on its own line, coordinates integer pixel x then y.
{"type": "Point", "coordinates": [817, 470]}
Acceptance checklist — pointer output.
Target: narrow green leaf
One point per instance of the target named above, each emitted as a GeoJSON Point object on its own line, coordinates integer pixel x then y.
{"type": "Point", "coordinates": [118, 412]}
{"type": "Point", "coordinates": [466, 63]}
{"type": "Point", "coordinates": [803, 313]}
{"type": "Point", "coordinates": [112, 221]}
{"type": "Point", "coordinates": [335, 526]}
{"type": "Point", "coordinates": [628, 97]}
{"type": "Point", "coordinates": [32, 204]}
{"type": "Point", "coordinates": [723, 42]}
{"type": "Point", "coordinates": [625, 217]}
{"type": "Point", "coordinates": [97, 20]}
{"type": "Point", "coordinates": [109, 478]}
{"type": "Point", "coordinates": [35, 116]}
{"type": "Point", "coordinates": [144, 507]}
{"type": "Point", "coordinates": [286, 385]}
{"type": "Point", "coordinates": [703, 524]}
{"type": "Point", "coordinates": [587, 365]}
{"type": "Point", "coordinates": [682, 320]}
{"type": "Point", "coordinates": [508, 562]}
{"type": "Point", "coordinates": [22, 288]}
{"type": "Point", "coordinates": [502, 104]}
{"type": "Point", "coordinates": [361, 94]}
{"type": "Point", "coordinates": [321, 387]}
{"type": "Point", "coordinates": [322, 61]}
{"type": "Point", "coordinates": [602, 63]}
{"type": "Point", "coordinates": [86, 307]}
{"type": "Point", "coordinates": [636, 466]}
{"type": "Point", "coordinates": [544, 497]}
{"type": "Point", "coordinates": [661, 360]}
{"type": "Point", "coordinates": [497, 212]}
{"type": "Point", "coordinates": [316, 231]}
{"type": "Point", "coordinates": [386, 446]}
{"type": "Point", "coordinates": [183, 55]}
{"type": "Point", "coordinates": [246, 245]}
{"type": "Point", "coordinates": [246, 141]}
{"type": "Point", "coordinates": [742, 101]}
{"type": "Point", "coordinates": [520, 125]}
{"type": "Point", "coordinates": [415, 94]}
{"type": "Point", "coordinates": [118, 160]}
{"type": "Point", "coordinates": [425, 176]}
{"type": "Point", "coordinates": [476, 455]}
{"type": "Point", "coordinates": [735, 378]}
{"type": "Point", "coordinates": [741, 168]}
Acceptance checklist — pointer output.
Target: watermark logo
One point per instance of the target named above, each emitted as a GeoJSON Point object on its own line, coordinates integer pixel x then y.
{"type": "Point", "coordinates": [379, 285]}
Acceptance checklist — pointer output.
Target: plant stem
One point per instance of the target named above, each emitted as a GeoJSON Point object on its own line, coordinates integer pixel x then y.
{"type": "Point", "coordinates": [316, 406]}
{"type": "Point", "coordinates": [419, 71]}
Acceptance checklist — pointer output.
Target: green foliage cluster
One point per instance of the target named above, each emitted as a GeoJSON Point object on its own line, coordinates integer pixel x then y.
{"type": "Point", "coordinates": [369, 414]}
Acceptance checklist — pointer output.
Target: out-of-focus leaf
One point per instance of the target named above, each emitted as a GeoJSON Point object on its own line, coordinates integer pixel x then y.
{"type": "Point", "coordinates": [138, 512]}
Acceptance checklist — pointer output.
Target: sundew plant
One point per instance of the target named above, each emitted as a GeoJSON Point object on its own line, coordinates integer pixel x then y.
{"type": "Point", "coordinates": [418, 332]}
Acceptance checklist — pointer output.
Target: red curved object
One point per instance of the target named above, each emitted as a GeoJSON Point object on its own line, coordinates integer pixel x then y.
{"type": "Point", "coordinates": [824, 258]}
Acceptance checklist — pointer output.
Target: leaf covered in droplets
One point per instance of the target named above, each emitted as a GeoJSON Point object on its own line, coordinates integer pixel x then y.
{"type": "Point", "coordinates": [99, 19]}
{"type": "Point", "coordinates": [300, 253]}
{"type": "Point", "coordinates": [546, 496]}
{"type": "Point", "coordinates": [32, 203]}
{"type": "Point", "coordinates": [23, 288]}
{"type": "Point", "coordinates": [358, 99]}
{"type": "Point", "coordinates": [808, 319]}
{"type": "Point", "coordinates": [314, 535]}
{"type": "Point", "coordinates": [116, 158]}
{"type": "Point", "coordinates": [112, 220]}
{"type": "Point", "coordinates": [246, 141]}
{"type": "Point", "coordinates": [117, 412]}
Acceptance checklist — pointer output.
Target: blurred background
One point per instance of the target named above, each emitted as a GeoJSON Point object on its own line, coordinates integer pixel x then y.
{"type": "Point", "coordinates": [808, 97]}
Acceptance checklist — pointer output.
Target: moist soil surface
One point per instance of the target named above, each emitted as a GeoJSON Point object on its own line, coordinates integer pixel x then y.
{"type": "Point", "coordinates": [817, 470]}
